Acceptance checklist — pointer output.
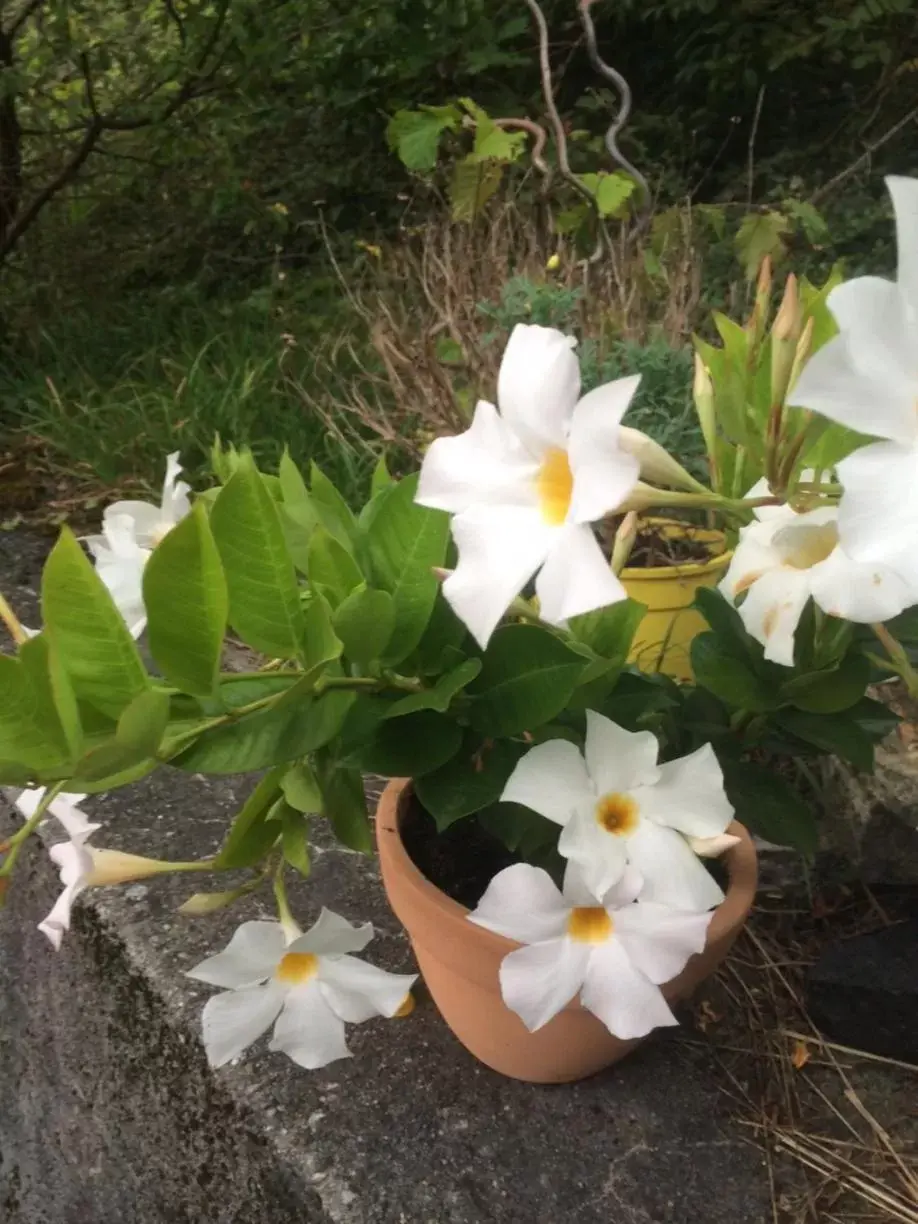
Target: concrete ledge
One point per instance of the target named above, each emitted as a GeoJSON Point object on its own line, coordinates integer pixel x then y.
{"type": "Point", "coordinates": [110, 1114]}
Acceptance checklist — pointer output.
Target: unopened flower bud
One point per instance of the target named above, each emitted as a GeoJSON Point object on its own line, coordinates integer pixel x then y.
{"type": "Point", "coordinates": [703, 395]}
{"type": "Point", "coordinates": [713, 847]}
{"type": "Point", "coordinates": [624, 541]}
{"type": "Point", "coordinates": [207, 903]}
{"type": "Point", "coordinates": [118, 867]}
{"type": "Point", "coordinates": [758, 322]}
{"type": "Point", "coordinates": [784, 337]}
{"type": "Point", "coordinates": [802, 352]}
{"type": "Point", "coordinates": [656, 462]}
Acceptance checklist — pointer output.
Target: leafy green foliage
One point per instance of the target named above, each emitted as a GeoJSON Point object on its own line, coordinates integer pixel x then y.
{"type": "Point", "coordinates": [527, 677]}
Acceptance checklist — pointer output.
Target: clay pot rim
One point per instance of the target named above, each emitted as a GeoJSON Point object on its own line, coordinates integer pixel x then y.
{"type": "Point", "coordinates": [740, 861]}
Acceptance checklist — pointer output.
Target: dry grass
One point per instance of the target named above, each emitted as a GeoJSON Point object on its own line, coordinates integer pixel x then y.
{"type": "Point", "coordinates": [432, 350]}
{"type": "Point", "coordinates": [837, 1127]}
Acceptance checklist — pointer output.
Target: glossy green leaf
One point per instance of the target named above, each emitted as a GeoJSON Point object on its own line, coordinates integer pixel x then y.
{"type": "Point", "coordinates": [404, 542]}
{"type": "Point", "coordinates": [768, 805]}
{"type": "Point", "coordinates": [87, 632]}
{"type": "Point", "coordinates": [411, 746]}
{"type": "Point", "coordinates": [345, 805]}
{"type": "Point", "coordinates": [381, 477]}
{"type": "Point", "coordinates": [364, 622]}
{"type": "Point", "coordinates": [135, 743]}
{"type": "Point", "coordinates": [528, 676]}
{"type": "Point", "coordinates": [187, 604]}
{"type": "Point", "coordinates": [335, 514]}
{"type": "Point", "coordinates": [471, 780]}
{"type": "Point", "coordinates": [331, 566]}
{"type": "Point", "coordinates": [836, 733]}
{"type": "Point", "coordinates": [322, 645]}
{"type": "Point", "coordinates": [441, 695]}
{"type": "Point", "coordinates": [264, 600]}
{"type": "Point", "coordinates": [723, 671]}
{"type": "Point", "coordinates": [295, 839]}
{"type": "Point", "coordinates": [251, 834]}
{"type": "Point", "coordinates": [301, 789]}
{"type": "Point", "coordinates": [51, 683]}
{"type": "Point", "coordinates": [31, 734]}
{"type": "Point", "coordinates": [829, 692]}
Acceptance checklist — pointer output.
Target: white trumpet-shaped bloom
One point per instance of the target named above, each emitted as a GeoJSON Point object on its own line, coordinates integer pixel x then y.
{"type": "Point", "coordinates": [612, 951]}
{"type": "Point", "coordinates": [866, 378]}
{"type": "Point", "coordinates": [524, 484]}
{"type": "Point", "coordinates": [72, 857]}
{"type": "Point", "coordinates": [618, 806]}
{"type": "Point", "coordinates": [784, 558]}
{"type": "Point", "coordinates": [130, 532]}
{"type": "Point", "coordinates": [307, 989]}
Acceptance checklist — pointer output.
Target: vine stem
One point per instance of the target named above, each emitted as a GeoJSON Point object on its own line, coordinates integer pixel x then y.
{"type": "Point", "coordinates": [901, 664]}
{"type": "Point", "coordinates": [18, 839]}
{"type": "Point", "coordinates": [10, 619]}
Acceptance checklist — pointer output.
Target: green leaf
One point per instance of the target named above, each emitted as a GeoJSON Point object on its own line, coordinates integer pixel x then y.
{"type": "Point", "coordinates": [267, 737]}
{"type": "Point", "coordinates": [726, 674]}
{"type": "Point", "coordinates": [52, 687]}
{"type": "Point", "coordinates": [345, 805]}
{"type": "Point", "coordinates": [610, 631]}
{"type": "Point", "coordinates": [493, 143]}
{"type": "Point", "coordinates": [810, 219]}
{"type": "Point", "coordinates": [761, 234]}
{"type": "Point", "coordinates": [322, 644]}
{"type": "Point", "coordinates": [829, 692]}
{"type": "Point", "coordinates": [336, 515]}
{"type": "Point", "coordinates": [293, 486]}
{"type": "Point", "coordinates": [521, 830]}
{"type": "Point", "coordinates": [301, 789]}
{"type": "Point", "coordinates": [415, 134]}
{"type": "Point", "coordinates": [404, 542]}
{"type": "Point", "coordinates": [295, 838]}
{"type": "Point", "coordinates": [769, 806]}
{"type": "Point", "coordinates": [381, 478]}
{"type": "Point", "coordinates": [31, 734]}
{"type": "Point", "coordinates": [331, 566]}
{"type": "Point", "coordinates": [441, 695]}
{"type": "Point", "coordinates": [187, 604]}
{"type": "Point", "coordinates": [411, 746]}
{"type": "Point", "coordinates": [441, 642]}
{"type": "Point", "coordinates": [364, 622]}
{"type": "Point", "coordinates": [874, 718]}
{"type": "Point", "coordinates": [251, 834]}
{"type": "Point", "coordinates": [87, 632]}
{"type": "Point", "coordinates": [473, 184]}
{"type": "Point", "coordinates": [726, 623]}
{"type": "Point", "coordinates": [136, 741]}
{"type": "Point", "coordinates": [264, 600]}
{"type": "Point", "coordinates": [836, 733]}
{"type": "Point", "coordinates": [527, 677]}
{"type": "Point", "coordinates": [473, 779]}
{"type": "Point", "coordinates": [613, 192]}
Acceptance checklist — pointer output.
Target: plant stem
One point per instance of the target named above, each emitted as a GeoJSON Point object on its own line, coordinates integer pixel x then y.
{"type": "Point", "coordinates": [287, 921]}
{"type": "Point", "coordinates": [18, 839]}
{"type": "Point", "coordinates": [9, 618]}
{"type": "Point", "coordinates": [901, 664]}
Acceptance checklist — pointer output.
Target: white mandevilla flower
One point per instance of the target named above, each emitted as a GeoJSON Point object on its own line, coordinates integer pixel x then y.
{"type": "Point", "coordinates": [614, 951]}
{"type": "Point", "coordinates": [784, 558]}
{"type": "Point", "coordinates": [525, 483]}
{"type": "Point", "coordinates": [307, 989]}
{"type": "Point", "coordinates": [130, 532]}
{"type": "Point", "coordinates": [72, 857]}
{"type": "Point", "coordinates": [867, 378]}
{"type": "Point", "coordinates": [618, 806]}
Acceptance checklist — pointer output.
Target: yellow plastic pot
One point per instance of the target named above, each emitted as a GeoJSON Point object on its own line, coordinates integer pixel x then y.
{"type": "Point", "coordinates": [664, 638]}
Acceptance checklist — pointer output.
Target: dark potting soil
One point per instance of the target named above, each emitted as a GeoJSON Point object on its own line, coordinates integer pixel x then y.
{"type": "Point", "coordinates": [655, 547]}
{"type": "Point", "coordinates": [461, 861]}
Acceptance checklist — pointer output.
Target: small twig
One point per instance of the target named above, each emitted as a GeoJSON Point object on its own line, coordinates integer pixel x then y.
{"type": "Point", "coordinates": [750, 147]}
{"type": "Point", "coordinates": [826, 188]}
{"type": "Point", "coordinates": [843, 1049]}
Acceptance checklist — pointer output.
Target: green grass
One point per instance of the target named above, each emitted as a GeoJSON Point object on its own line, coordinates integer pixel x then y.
{"type": "Point", "coordinates": [111, 397]}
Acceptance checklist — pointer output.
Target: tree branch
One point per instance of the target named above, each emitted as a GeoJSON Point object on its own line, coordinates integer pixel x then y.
{"type": "Point", "coordinates": [22, 17]}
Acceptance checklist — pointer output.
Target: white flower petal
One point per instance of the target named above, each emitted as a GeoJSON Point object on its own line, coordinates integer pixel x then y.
{"type": "Point", "coordinates": [601, 856]}
{"type": "Point", "coordinates": [236, 1018]}
{"type": "Point", "coordinates": [878, 512]}
{"type": "Point", "coordinates": [755, 554]}
{"type": "Point", "coordinates": [627, 1003]}
{"type": "Point", "coordinates": [834, 385]}
{"type": "Point", "coordinates": [872, 314]}
{"type": "Point", "coordinates": [538, 981]}
{"type": "Point", "coordinates": [858, 591]}
{"type": "Point", "coordinates": [660, 940]}
{"type": "Point", "coordinates": [713, 847]}
{"type": "Point", "coordinates": [551, 779]}
{"type": "Point", "coordinates": [57, 922]}
{"type": "Point", "coordinates": [538, 385]}
{"type": "Point", "coordinates": [252, 955]}
{"type": "Point", "coordinates": [904, 192]}
{"type": "Point", "coordinates": [576, 577]}
{"type": "Point", "coordinates": [500, 548]}
{"type": "Point", "coordinates": [522, 903]}
{"type": "Point", "coordinates": [577, 891]}
{"type": "Point", "coordinates": [673, 874]}
{"type": "Point", "coordinates": [356, 991]}
{"type": "Point", "coordinates": [604, 474]}
{"type": "Point", "coordinates": [139, 519]}
{"type": "Point", "coordinates": [486, 463]}
{"type": "Point", "coordinates": [308, 1031]}
{"type": "Point", "coordinates": [689, 795]}
{"type": "Point", "coordinates": [616, 759]}
{"type": "Point", "coordinates": [28, 800]}
{"type": "Point", "coordinates": [772, 609]}
{"type": "Point", "coordinates": [175, 504]}
{"type": "Point", "coordinates": [332, 935]}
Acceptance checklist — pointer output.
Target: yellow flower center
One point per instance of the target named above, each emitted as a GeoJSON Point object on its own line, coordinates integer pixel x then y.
{"type": "Point", "coordinates": [554, 484]}
{"type": "Point", "coordinates": [617, 813]}
{"type": "Point", "coordinates": [297, 968]}
{"type": "Point", "coordinates": [590, 924]}
{"type": "Point", "coordinates": [804, 546]}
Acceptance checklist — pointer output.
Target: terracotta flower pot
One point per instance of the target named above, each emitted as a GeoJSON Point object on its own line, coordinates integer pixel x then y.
{"type": "Point", "coordinates": [663, 641]}
{"type": "Point", "coordinates": [460, 963]}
